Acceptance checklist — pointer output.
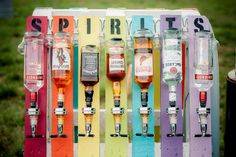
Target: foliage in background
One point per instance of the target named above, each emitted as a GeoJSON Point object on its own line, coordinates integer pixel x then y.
{"type": "Point", "coordinates": [222, 15]}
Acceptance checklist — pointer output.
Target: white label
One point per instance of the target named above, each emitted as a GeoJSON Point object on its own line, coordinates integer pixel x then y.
{"type": "Point", "coordinates": [143, 64]}
{"type": "Point", "coordinates": [172, 61]}
{"type": "Point", "coordinates": [171, 42]}
{"type": "Point", "coordinates": [116, 64]}
{"type": "Point", "coordinates": [61, 59]}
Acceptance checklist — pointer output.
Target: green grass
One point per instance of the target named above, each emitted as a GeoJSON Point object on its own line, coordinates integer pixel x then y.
{"type": "Point", "coordinates": [222, 15]}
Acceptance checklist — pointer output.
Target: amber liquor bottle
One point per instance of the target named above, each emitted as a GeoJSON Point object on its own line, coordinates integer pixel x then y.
{"type": "Point", "coordinates": [143, 72]}
{"type": "Point", "coordinates": [115, 71]}
{"type": "Point", "coordinates": [61, 74]}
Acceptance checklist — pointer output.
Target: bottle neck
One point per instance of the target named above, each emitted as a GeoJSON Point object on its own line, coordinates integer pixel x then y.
{"type": "Point", "coordinates": [172, 95]}
{"type": "Point", "coordinates": [144, 97]}
{"type": "Point", "coordinates": [89, 95]}
{"type": "Point", "coordinates": [33, 99]}
{"type": "Point", "coordinates": [116, 93]}
{"type": "Point", "coordinates": [203, 98]}
{"type": "Point", "coordinates": [60, 99]}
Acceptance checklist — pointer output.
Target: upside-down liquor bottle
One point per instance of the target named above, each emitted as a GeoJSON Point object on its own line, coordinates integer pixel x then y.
{"type": "Point", "coordinates": [89, 77]}
{"type": "Point", "coordinates": [33, 74]}
{"type": "Point", "coordinates": [143, 72]}
{"type": "Point", "coordinates": [172, 72]}
{"type": "Point", "coordinates": [115, 71]}
{"type": "Point", "coordinates": [203, 75]}
{"type": "Point", "coordinates": [61, 74]}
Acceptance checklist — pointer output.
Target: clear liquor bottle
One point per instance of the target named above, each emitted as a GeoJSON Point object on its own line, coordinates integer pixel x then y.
{"type": "Point", "coordinates": [203, 65]}
{"type": "Point", "coordinates": [203, 60]}
{"type": "Point", "coordinates": [34, 61]}
{"type": "Point", "coordinates": [172, 61]}
{"type": "Point", "coordinates": [33, 74]}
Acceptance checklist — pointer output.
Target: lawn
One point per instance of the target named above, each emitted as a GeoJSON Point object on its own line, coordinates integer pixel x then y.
{"type": "Point", "coordinates": [222, 15]}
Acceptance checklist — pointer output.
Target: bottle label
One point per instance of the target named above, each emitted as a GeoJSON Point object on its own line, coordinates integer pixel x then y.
{"type": "Point", "coordinates": [61, 59]}
{"type": "Point", "coordinates": [203, 77]}
{"type": "Point", "coordinates": [116, 64]}
{"type": "Point", "coordinates": [34, 77]}
{"type": "Point", "coordinates": [89, 64]}
{"type": "Point", "coordinates": [171, 42]}
{"type": "Point", "coordinates": [172, 61]}
{"type": "Point", "coordinates": [143, 64]}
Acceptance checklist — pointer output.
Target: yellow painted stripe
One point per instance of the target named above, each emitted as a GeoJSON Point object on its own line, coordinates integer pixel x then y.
{"type": "Point", "coordinates": [88, 146]}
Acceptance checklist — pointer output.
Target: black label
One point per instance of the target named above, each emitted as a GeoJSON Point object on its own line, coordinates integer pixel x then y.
{"type": "Point", "coordinates": [89, 66]}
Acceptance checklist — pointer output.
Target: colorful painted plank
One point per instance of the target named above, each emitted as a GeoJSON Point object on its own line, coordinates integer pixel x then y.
{"type": "Point", "coordinates": [141, 146]}
{"type": "Point", "coordinates": [63, 147]}
{"type": "Point", "coordinates": [115, 27]}
{"type": "Point", "coordinates": [88, 146]}
{"type": "Point", "coordinates": [36, 147]}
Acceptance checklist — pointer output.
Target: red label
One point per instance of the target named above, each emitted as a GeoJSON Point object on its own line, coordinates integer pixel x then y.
{"type": "Point", "coordinates": [34, 77]}
{"type": "Point", "coordinates": [203, 77]}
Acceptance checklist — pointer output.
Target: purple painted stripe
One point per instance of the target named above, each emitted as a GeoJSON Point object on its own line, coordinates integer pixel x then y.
{"type": "Point", "coordinates": [170, 146]}
{"type": "Point", "coordinates": [199, 147]}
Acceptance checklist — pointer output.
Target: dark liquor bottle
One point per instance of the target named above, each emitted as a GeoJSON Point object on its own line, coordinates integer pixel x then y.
{"type": "Point", "coordinates": [89, 76]}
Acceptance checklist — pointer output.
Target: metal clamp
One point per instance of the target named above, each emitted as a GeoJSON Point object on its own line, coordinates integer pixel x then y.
{"type": "Point", "coordinates": [60, 111]}
{"type": "Point", "coordinates": [88, 110]}
{"type": "Point", "coordinates": [33, 111]}
{"type": "Point", "coordinates": [145, 110]}
{"type": "Point", "coordinates": [117, 110]}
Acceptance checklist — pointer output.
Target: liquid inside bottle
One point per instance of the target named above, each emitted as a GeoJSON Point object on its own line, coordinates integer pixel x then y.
{"type": "Point", "coordinates": [89, 71]}
{"type": "Point", "coordinates": [143, 57]}
{"type": "Point", "coordinates": [34, 61]}
{"type": "Point", "coordinates": [172, 57]}
{"type": "Point", "coordinates": [62, 59]}
{"type": "Point", "coordinates": [203, 61]}
{"type": "Point", "coordinates": [115, 60]}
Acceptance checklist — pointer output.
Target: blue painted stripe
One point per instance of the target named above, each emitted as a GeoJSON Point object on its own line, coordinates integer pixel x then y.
{"type": "Point", "coordinates": [142, 146]}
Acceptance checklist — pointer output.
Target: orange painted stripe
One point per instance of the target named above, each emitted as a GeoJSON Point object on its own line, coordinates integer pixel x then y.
{"type": "Point", "coordinates": [63, 147]}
